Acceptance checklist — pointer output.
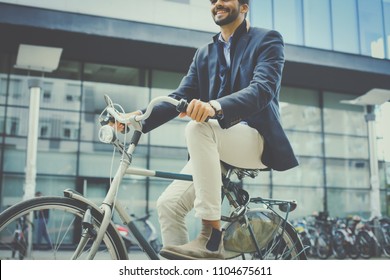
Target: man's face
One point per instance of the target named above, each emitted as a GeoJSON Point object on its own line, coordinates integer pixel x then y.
{"type": "Point", "coordinates": [225, 11]}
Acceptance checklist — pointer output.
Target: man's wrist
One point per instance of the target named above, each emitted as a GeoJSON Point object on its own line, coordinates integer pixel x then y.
{"type": "Point", "coordinates": [217, 109]}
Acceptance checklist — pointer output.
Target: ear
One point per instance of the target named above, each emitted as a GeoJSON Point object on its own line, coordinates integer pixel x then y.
{"type": "Point", "coordinates": [244, 8]}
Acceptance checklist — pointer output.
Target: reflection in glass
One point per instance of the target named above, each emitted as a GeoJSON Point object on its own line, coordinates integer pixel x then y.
{"type": "Point", "coordinates": [343, 146]}
{"type": "Point", "coordinates": [103, 73]}
{"type": "Point", "coordinates": [386, 13]}
{"type": "Point", "coordinates": [2, 119]}
{"type": "Point", "coordinates": [261, 13]}
{"type": "Point", "coordinates": [3, 88]}
{"type": "Point", "coordinates": [309, 199]}
{"type": "Point", "coordinates": [347, 173]}
{"type": "Point", "coordinates": [345, 26]}
{"type": "Point", "coordinates": [343, 203]}
{"type": "Point", "coordinates": [371, 28]}
{"type": "Point", "coordinates": [289, 20]}
{"type": "Point", "coordinates": [300, 109]}
{"type": "Point", "coordinates": [308, 173]}
{"type": "Point", "coordinates": [317, 24]}
{"type": "Point", "coordinates": [343, 118]}
{"type": "Point", "coordinates": [305, 144]}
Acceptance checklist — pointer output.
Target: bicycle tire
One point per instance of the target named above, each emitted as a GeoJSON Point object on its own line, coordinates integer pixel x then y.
{"type": "Point", "coordinates": [323, 246]}
{"type": "Point", "coordinates": [353, 251]}
{"type": "Point", "coordinates": [277, 240]}
{"type": "Point", "coordinates": [365, 244]}
{"type": "Point", "coordinates": [385, 238]}
{"type": "Point", "coordinates": [338, 242]}
{"type": "Point", "coordinates": [64, 228]}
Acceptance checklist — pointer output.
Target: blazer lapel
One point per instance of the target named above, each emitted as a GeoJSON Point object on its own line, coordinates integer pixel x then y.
{"type": "Point", "coordinates": [212, 65]}
{"type": "Point", "coordinates": [240, 49]}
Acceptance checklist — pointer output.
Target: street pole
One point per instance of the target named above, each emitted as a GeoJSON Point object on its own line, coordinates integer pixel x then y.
{"type": "Point", "coordinates": [35, 87]}
{"type": "Point", "coordinates": [375, 206]}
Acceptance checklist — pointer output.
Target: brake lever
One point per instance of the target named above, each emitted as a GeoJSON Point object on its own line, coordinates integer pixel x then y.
{"type": "Point", "coordinates": [122, 149]}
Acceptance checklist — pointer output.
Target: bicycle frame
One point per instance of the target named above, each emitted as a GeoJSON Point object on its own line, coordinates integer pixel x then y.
{"type": "Point", "coordinates": [110, 204]}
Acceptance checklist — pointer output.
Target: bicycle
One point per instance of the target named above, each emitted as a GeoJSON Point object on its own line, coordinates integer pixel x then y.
{"type": "Point", "coordinates": [259, 233]}
{"type": "Point", "coordinates": [20, 239]}
{"type": "Point", "coordinates": [147, 229]}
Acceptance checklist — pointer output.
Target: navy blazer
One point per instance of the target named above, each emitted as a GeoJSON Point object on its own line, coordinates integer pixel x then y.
{"type": "Point", "coordinates": [256, 73]}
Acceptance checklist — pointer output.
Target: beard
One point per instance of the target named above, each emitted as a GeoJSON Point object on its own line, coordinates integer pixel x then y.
{"type": "Point", "coordinates": [232, 16]}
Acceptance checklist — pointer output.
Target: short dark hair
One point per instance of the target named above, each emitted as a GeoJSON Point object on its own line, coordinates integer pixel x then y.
{"type": "Point", "coordinates": [242, 2]}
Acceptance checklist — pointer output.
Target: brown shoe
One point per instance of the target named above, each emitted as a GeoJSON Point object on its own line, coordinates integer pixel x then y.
{"type": "Point", "coordinates": [208, 245]}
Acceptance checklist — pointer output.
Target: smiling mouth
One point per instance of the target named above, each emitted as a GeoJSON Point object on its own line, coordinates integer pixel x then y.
{"type": "Point", "coordinates": [220, 12]}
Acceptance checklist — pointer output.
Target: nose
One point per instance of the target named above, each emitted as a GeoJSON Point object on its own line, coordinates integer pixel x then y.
{"type": "Point", "coordinates": [218, 3]}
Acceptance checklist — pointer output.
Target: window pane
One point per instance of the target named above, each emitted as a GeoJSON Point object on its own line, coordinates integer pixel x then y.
{"type": "Point", "coordinates": [386, 13]}
{"type": "Point", "coordinates": [305, 144]}
{"type": "Point", "coordinates": [343, 118]}
{"type": "Point", "coordinates": [300, 109]}
{"type": "Point", "coordinates": [12, 190]}
{"type": "Point", "coordinates": [15, 154]}
{"type": "Point", "coordinates": [114, 74]}
{"type": "Point", "coordinates": [3, 88]}
{"type": "Point", "coordinates": [317, 24]}
{"type": "Point", "coordinates": [288, 20]}
{"type": "Point", "coordinates": [371, 28]}
{"type": "Point", "coordinates": [308, 173]}
{"type": "Point", "coordinates": [131, 98]}
{"type": "Point", "coordinates": [345, 26]}
{"type": "Point", "coordinates": [309, 200]}
{"type": "Point", "coordinates": [347, 173]}
{"type": "Point", "coordinates": [57, 157]}
{"type": "Point", "coordinates": [345, 202]}
{"type": "Point", "coordinates": [2, 120]}
{"type": "Point", "coordinates": [261, 13]}
{"type": "Point", "coordinates": [346, 146]}
{"type": "Point", "coordinates": [166, 80]}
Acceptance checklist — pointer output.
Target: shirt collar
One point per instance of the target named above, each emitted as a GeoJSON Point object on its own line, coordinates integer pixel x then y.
{"type": "Point", "coordinates": [220, 38]}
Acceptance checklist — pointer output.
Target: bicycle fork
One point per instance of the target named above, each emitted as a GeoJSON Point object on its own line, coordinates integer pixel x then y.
{"type": "Point", "coordinates": [89, 233]}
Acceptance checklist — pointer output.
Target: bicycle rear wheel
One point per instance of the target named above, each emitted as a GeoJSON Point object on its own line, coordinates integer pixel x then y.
{"type": "Point", "coordinates": [323, 246]}
{"type": "Point", "coordinates": [385, 238]}
{"type": "Point", "coordinates": [276, 239]}
{"type": "Point", "coordinates": [63, 227]}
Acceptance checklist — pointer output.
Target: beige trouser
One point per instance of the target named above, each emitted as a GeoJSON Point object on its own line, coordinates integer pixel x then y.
{"type": "Point", "coordinates": [208, 144]}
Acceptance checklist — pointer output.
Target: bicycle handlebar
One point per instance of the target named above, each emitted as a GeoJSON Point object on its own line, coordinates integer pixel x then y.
{"type": "Point", "coordinates": [134, 120]}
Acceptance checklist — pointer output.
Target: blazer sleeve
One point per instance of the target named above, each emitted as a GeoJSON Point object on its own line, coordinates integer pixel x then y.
{"type": "Point", "coordinates": [164, 112]}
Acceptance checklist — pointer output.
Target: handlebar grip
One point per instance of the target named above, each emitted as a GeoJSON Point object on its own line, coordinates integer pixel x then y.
{"type": "Point", "coordinates": [182, 106]}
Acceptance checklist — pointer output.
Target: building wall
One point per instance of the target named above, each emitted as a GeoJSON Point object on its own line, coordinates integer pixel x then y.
{"type": "Point", "coordinates": [323, 24]}
{"type": "Point", "coordinates": [189, 14]}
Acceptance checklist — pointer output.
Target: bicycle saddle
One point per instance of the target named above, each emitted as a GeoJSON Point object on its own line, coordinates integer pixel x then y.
{"type": "Point", "coordinates": [242, 172]}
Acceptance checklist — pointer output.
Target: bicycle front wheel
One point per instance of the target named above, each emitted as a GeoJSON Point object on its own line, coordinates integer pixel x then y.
{"type": "Point", "coordinates": [60, 233]}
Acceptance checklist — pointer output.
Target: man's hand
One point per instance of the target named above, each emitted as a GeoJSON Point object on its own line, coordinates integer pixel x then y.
{"type": "Point", "coordinates": [121, 126]}
{"type": "Point", "coordinates": [198, 111]}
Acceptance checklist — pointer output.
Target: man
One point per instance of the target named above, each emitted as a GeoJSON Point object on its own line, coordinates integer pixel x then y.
{"type": "Point", "coordinates": [232, 87]}
{"type": "Point", "coordinates": [42, 217]}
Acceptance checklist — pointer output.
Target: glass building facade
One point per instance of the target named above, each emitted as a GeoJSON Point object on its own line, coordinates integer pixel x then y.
{"type": "Point", "coordinates": [351, 26]}
{"type": "Point", "coordinates": [330, 138]}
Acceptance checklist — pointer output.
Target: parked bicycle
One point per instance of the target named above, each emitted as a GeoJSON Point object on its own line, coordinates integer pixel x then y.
{"type": "Point", "coordinates": [352, 237]}
{"type": "Point", "coordinates": [344, 239]}
{"type": "Point", "coordinates": [250, 233]}
{"type": "Point", "coordinates": [147, 229]}
{"type": "Point", "coordinates": [20, 238]}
